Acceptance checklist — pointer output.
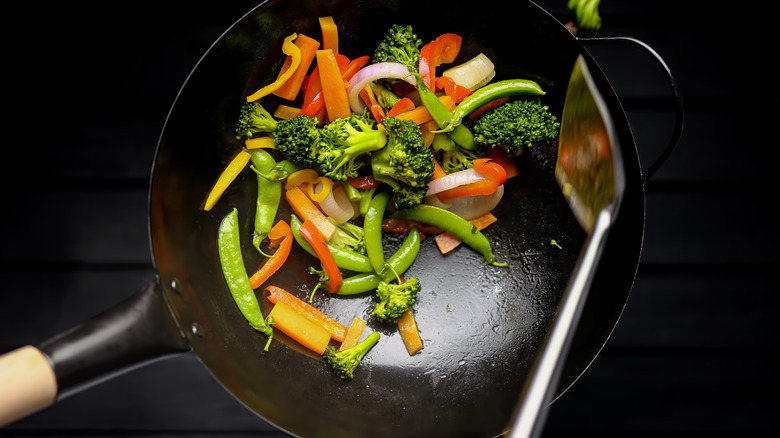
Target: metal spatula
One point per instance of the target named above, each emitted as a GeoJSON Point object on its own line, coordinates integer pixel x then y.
{"type": "Point", "coordinates": [590, 172]}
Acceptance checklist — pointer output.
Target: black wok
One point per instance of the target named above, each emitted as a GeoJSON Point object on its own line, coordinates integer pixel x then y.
{"type": "Point", "coordinates": [480, 325]}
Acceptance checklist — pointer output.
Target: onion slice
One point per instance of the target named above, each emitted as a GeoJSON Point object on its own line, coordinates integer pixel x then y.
{"type": "Point", "coordinates": [337, 205]}
{"type": "Point", "coordinates": [371, 73]}
{"type": "Point", "coordinates": [455, 179]}
{"type": "Point", "coordinates": [473, 73]}
{"type": "Point", "coordinates": [472, 207]}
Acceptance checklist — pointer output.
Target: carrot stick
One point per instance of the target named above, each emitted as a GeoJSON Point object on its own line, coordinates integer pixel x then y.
{"type": "Point", "coordinates": [333, 90]}
{"type": "Point", "coordinates": [354, 332]}
{"type": "Point", "coordinates": [306, 210]}
{"type": "Point", "coordinates": [281, 235]}
{"type": "Point", "coordinates": [336, 330]}
{"type": "Point", "coordinates": [438, 172]}
{"type": "Point", "coordinates": [447, 242]}
{"type": "Point", "coordinates": [299, 328]}
{"type": "Point", "coordinates": [290, 89]}
{"type": "Point", "coordinates": [407, 327]}
{"type": "Point", "coordinates": [330, 34]}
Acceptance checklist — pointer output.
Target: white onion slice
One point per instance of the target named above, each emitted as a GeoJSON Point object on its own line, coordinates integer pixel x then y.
{"type": "Point", "coordinates": [337, 205]}
{"type": "Point", "coordinates": [473, 73]}
{"type": "Point", "coordinates": [371, 73]}
{"type": "Point", "coordinates": [455, 179]}
{"type": "Point", "coordinates": [472, 207]}
{"type": "Point", "coordinates": [436, 202]}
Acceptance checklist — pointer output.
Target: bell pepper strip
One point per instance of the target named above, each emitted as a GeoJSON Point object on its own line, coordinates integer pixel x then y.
{"type": "Point", "coordinates": [369, 98]}
{"type": "Point", "coordinates": [301, 176]}
{"type": "Point", "coordinates": [403, 226]}
{"type": "Point", "coordinates": [488, 93]}
{"type": "Point", "coordinates": [446, 242]}
{"type": "Point", "coordinates": [422, 115]}
{"type": "Point", "coordinates": [500, 157]}
{"type": "Point", "coordinates": [310, 232]}
{"type": "Point", "coordinates": [308, 211]}
{"type": "Point", "coordinates": [290, 49]}
{"type": "Point", "coordinates": [265, 142]}
{"type": "Point", "coordinates": [292, 87]}
{"type": "Point", "coordinates": [354, 333]}
{"type": "Point", "coordinates": [326, 185]}
{"type": "Point", "coordinates": [269, 193]}
{"type": "Point", "coordinates": [438, 171]}
{"type": "Point", "coordinates": [345, 259]}
{"type": "Point", "coordinates": [333, 89]}
{"type": "Point", "coordinates": [285, 112]}
{"type": "Point", "coordinates": [407, 328]}
{"type": "Point", "coordinates": [353, 67]}
{"type": "Point", "coordinates": [281, 237]}
{"type": "Point", "coordinates": [364, 182]}
{"type": "Point", "coordinates": [455, 91]}
{"type": "Point", "coordinates": [426, 129]}
{"type": "Point", "coordinates": [495, 174]}
{"type": "Point", "coordinates": [402, 106]}
{"type": "Point", "coordinates": [372, 229]}
{"type": "Point", "coordinates": [495, 103]}
{"type": "Point", "coordinates": [460, 134]}
{"type": "Point", "coordinates": [442, 50]}
{"type": "Point", "coordinates": [397, 265]}
{"type": "Point", "coordinates": [453, 224]}
{"type": "Point", "coordinates": [330, 34]}
{"type": "Point", "coordinates": [232, 264]}
{"type": "Point", "coordinates": [228, 175]}
{"type": "Point", "coordinates": [426, 66]}
{"type": "Point", "coordinates": [337, 331]}
{"type": "Point", "coordinates": [299, 328]}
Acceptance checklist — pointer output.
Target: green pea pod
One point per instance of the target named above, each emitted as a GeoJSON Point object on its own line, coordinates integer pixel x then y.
{"type": "Point", "coordinates": [269, 192]}
{"type": "Point", "coordinates": [372, 227]}
{"type": "Point", "coordinates": [489, 93]}
{"type": "Point", "coordinates": [443, 117]}
{"type": "Point", "coordinates": [398, 263]}
{"type": "Point", "coordinates": [344, 258]}
{"type": "Point", "coordinates": [453, 224]}
{"type": "Point", "coordinates": [232, 262]}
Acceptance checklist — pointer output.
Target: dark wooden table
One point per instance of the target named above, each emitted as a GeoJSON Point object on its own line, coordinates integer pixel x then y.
{"type": "Point", "coordinates": [694, 353]}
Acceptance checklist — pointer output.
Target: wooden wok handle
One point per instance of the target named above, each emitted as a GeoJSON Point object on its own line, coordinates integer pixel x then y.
{"type": "Point", "coordinates": [27, 383]}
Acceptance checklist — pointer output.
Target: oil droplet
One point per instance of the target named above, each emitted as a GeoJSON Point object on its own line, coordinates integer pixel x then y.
{"type": "Point", "coordinates": [176, 286]}
{"type": "Point", "coordinates": [461, 362]}
{"type": "Point", "coordinates": [197, 330]}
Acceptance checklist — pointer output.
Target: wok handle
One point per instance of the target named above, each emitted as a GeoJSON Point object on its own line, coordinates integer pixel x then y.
{"type": "Point", "coordinates": [679, 113]}
{"type": "Point", "coordinates": [130, 334]}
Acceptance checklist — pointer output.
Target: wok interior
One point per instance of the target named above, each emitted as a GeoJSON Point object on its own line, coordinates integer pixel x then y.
{"type": "Point", "coordinates": [480, 324]}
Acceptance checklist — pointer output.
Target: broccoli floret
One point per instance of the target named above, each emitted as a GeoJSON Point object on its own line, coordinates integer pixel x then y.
{"type": "Point", "coordinates": [254, 119]}
{"type": "Point", "coordinates": [345, 362]}
{"type": "Point", "coordinates": [345, 145]}
{"type": "Point", "coordinates": [452, 156]}
{"type": "Point", "coordinates": [297, 139]}
{"type": "Point", "coordinates": [405, 163]}
{"type": "Point", "coordinates": [400, 44]}
{"type": "Point", "coordinates": [516, 126]}
{"type": "Point", "coordinates": [395, 299]}
{"type": "Point", "coordinates": [586, 13]}
{"type": "Point", "coordinates": [349, 236]}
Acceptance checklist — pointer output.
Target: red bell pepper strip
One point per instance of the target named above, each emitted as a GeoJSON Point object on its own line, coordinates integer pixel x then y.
{"type": "Point", "coordinates": [443, 50]}
{"type": "Point", "coordinates": [455, 91]}
{"type": "Point", "coordinates": [280, 235]}
{"type": "Point", "coordinates": [402, 106]}
{"type": "Point", "coordinates": [427, 68]}
{"type": "Point", "coordinates": [502, 159]}
{"type": "Point", "coordinates": [367, 94]}
{"type": "Point", "coordinates": [309, 232]}
{"type": "Point", "coordinates": [495, 174]}
{"type": "Point", "coordinates": [363, 182]}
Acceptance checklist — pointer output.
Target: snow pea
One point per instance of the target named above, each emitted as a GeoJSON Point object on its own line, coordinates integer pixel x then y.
{"type": "Point", "coordinates": [398, 263]}
{"type": "Point", "coordinates": [232, 263]}
{"type": "Point", "coordinates": [452, 223]}
{"type": "Point", "coordinates": [460, 134]}
{"type": "Point", "coordinates": [269, 193]}
{"type": "Point", "coordinates": [372, 227]}
{"type": "Point", "coordinates": [345, 259]}
{"type": "Point", "coordinates": [489, 93]}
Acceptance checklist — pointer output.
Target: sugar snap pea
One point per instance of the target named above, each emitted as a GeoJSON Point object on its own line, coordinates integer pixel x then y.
{"type": "Point", "coordinates": [443, 117]}
{"type": "Point", "coordinates": [489, 93]}
{"type": "Point", "coordinates": [372, 228]}
{"type": "Point", "coordinates": [345, 259]}
{"type": "Point", "coordinates": [269, 192]}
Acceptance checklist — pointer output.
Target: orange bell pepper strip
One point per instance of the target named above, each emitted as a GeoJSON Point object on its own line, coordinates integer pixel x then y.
{"type": "Point", "coordinates": [229, 173]}
{"type": "Point", "coordinates": [428, 130]}
{"type": "Point", "coordinates": [281, 238]}
{"type": "Point", "coordinates": [336, 329]}
{"type": "Point", "coordinates": [446, 242]}
{"type": "Point", "coordinates": [353, 67]}
{"type": "Point", "coordinates": [354, 332]}
{"type": "Point", "coordinates": [438, 172]}
{"type": "Point", "coordinates": [410, 335]}
{"type": "Point", "coordinates": [299, 328]}
{"type": "Point", "coordinates": [289, 49]}
{"type": "Point", "coordinates": [333, 89]}
{"type": "Point", "coordinates": [421, 115]}
{"type": "Point", "coordinates": [309, 232]}
{"type": "Point", "coordinates": [402, 106]}
{"type": "Point", "coordinates": [455, 91]}
{"type": "Point", "coordinates": [502, 159]}
{"type": "Point", "coordinates": [289, 89]}
{"type": "Point", "coordinates": [330, 34]}
{"type": "Point", "coordinates": [487, 107]}
{"type": "Point", "coordinates": [307, 211]}
{"type": "Point", "coordinates": [285, 112]}
{"type": "Point", "coordinates": [495, 174]}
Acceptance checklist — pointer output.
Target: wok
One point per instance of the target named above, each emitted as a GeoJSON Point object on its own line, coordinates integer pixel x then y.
{"type": "Point", "coordinates": [481, 325]}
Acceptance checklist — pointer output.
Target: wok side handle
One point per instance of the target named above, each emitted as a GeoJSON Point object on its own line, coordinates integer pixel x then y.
{"type": "Point", "coordinates": [128, 335]}
{"type": "Point", "coordinates": [678, 122]}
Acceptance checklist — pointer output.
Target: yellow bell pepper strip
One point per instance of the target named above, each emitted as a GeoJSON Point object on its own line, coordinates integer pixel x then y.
{"type": "Point", "coordinates": [289, 89]}
{"type": "Point", "coordinates": [281, 237]}
{"type": "Point", "coordinates": [299, 328]}
{"type": "Point", "coordinates": [446, 242]}
{"type": "Point", "coordinates": [266, 142]}
{"type": "Point", "coordinates": [407, 328]}
{"type": "Point", "coordinates": [290, 49]}
{"type": "Point", "coordinates": [327, 186]}
{"type": "Point", "coordinates": [354, 333]}
{"type": "Point", "coordinates": [285, 112]}
{"type": "Point", "coordinates": [228, 175]}
{"type": "Point", "coordinates": [333, 90]}
{"type": "Point", "coordinates": [495, 174]}
{"type": "Point", "coordinates": [308, 211]}
{"type": "Point", "coordinates": [301, 176]}
{"type": "Point", "coordinates": [232, 264]}
{"type": "Point", "coordinates": [309, 232]}
{"type": "Point", "coordinates": [330, 34]}
{"type": "Point", "coordinates": [337, 331]}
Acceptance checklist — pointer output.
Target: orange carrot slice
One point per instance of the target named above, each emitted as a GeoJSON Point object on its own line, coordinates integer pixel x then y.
{"type": "Point", "coordinates": [354, 334]}
{"type": "Point", "coordinates": [337, 330]}
{"type": "Point", "coordinates": [299, 328]}
{"type": "Point", "coordinates": [333, 90]}
{"type": "Point", "coordinates": [330, 34]}
{"type": "Point", "coordinates": [421, 115]}
{"type": "Point", "coordinates": [407, 327]}
{"type": "Point", "coordinates": [446, 242]}
{"type": "Point", "coordinates": [306, 210]}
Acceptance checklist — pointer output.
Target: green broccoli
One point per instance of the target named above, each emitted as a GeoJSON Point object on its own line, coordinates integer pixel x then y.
{"type": "Point", "coordinates": [586, 13]}
{"type": "Point", "coordinates": [254, 119]}
{"type": "Point", "coordinates": [346, 144]}
{"type": "Point", "coordinates": [395, 299]}
{"type": "Point", "coordinates": [349, 236]}
{"type": "Point", "coordinates": [297, 139]}
{"type": "Point", "coordinates": [516, 125]}
{"type": "Point", "coordinates": [345, 362]}
{"type": "Point", "coordinates": [400, 44]}
{"type": "Point", "coordinates": [452, 156]}
{"type": "Point", "coordinates": [405, 163]}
